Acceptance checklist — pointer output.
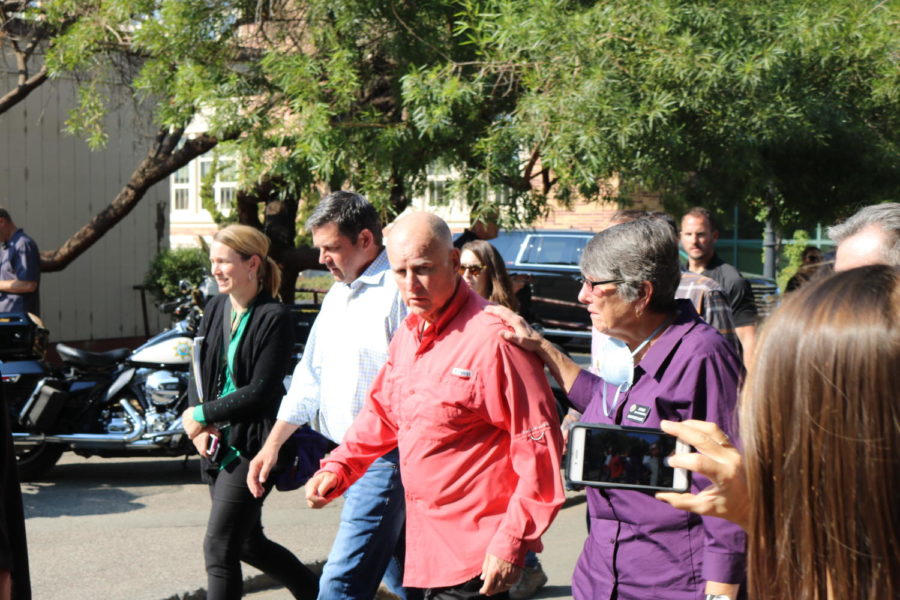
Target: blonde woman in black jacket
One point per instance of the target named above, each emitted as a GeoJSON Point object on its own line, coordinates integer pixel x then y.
{"type": "Point", "coordinates": [244, 355]}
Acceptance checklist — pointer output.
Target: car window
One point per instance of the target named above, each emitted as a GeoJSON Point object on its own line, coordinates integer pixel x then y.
{"type": "Point", "coordinates": [507, 244]}
{"type": "Point", "coordinates": [564, 250]}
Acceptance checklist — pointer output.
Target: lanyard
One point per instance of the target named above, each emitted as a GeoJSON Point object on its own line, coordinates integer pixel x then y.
{"type": "Point", "coordinates": [622, 388]}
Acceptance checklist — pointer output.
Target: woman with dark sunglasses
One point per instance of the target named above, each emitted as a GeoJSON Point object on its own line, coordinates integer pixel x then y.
{"type": "Point", "coordinates": [481, 266]}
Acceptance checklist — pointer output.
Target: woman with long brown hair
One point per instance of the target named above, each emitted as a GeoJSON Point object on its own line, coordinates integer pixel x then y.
{"type": "Point", "coordinates": [481, 266]}
{"type": "Point", "coordinates": [818, 487]}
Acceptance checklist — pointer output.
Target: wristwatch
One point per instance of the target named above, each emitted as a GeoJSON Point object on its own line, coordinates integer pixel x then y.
{"type": "Point", "coordinates": [718, 597]}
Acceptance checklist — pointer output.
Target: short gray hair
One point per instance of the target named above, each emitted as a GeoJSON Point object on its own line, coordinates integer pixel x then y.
{"type": "Point", "coordinates": [636, 251]}
{"type": "Point", "coordinates": [885, 216]}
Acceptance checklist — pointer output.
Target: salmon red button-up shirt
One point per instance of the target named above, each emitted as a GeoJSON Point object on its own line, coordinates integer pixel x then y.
{"type": "Point", "coordinates": [479, 443]}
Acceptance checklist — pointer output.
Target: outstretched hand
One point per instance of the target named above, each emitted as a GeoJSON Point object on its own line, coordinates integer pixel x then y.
{"type": "Point", "coordinates": [522, 334]}
{"type": "Point", "coordinates": [717, 459]}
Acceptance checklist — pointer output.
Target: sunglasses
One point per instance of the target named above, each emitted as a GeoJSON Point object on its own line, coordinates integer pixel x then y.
{"type": "Point", "coordinates": [592, 284]}
{"type": "Point", "coordinates": [473, 269]}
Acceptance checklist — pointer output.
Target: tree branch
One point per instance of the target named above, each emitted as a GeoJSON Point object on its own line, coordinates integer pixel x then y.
{"type": "Point", "coordinates": [22, 90]}
{"type": "Point", "coordinates": [163, 159]}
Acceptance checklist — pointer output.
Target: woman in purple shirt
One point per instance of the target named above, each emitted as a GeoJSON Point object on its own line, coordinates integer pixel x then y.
{"type": "Point", "coordinates": [680, 368]}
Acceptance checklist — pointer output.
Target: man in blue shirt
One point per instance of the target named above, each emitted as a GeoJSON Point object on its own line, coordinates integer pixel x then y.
{"type": "Point", "coordinates": [20, 269]}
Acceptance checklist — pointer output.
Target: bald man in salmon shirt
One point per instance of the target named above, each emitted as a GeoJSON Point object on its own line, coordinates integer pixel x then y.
{"type": "Point", "coordinates": [474, 420]}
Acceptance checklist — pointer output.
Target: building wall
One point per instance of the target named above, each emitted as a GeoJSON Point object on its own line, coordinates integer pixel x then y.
{"type": "Point", "coordinates": [584, 215]}
{"type": "Point", "coordinates": [189, 221]}
{"type": "Point", "coordinates": [52, 184]}
{"type": "Point", "coordinates": [592, 216]}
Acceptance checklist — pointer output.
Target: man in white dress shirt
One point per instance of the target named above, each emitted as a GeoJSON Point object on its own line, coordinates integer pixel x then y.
{"type": "Point", "coordinates": [346, 348]}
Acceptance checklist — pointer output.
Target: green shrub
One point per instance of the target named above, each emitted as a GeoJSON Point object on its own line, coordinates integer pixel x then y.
{"type": "Point", "coordinates": [321, 283]}
{"type": "Point", "coordinates": [171, 266]}
{"type": "Point", "coordinates": [792, 257]}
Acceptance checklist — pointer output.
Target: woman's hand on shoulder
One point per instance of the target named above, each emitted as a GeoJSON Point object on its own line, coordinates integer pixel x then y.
{"type": "Point", "coordinates": [717, 459]}
{"type": "Point", "coordinates": [522, 334]}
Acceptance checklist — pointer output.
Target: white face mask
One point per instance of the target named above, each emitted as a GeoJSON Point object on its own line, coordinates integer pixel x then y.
{"type": "Point", "coordinates": [614, 362]}
{"type": "Point", "coordinates": [615, 365]}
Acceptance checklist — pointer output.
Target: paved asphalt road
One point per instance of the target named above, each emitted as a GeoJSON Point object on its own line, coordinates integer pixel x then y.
{"type": "Point", "coordinates": [133, 528]}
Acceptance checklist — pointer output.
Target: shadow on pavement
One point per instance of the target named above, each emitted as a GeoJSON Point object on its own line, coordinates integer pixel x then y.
{"type": "Point", "coordinates": [553, 591]}
{"type": "Point", "coordinates": [98, 486]}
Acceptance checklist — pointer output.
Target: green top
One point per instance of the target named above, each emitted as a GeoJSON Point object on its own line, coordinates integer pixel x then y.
{"type": "Point", "coordinates": [228, 386]}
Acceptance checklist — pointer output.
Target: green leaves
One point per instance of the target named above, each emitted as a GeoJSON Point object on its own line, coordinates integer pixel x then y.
{"type": "Point", "coordinates": [776, 103]}
{"type": "Point", "coordinates": [86, 119]}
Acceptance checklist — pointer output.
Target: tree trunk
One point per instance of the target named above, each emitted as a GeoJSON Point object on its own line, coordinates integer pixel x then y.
{"type": "Point", "coordinates": [163, 159]}
{"type": "Point", "coordinates": [281, 227]}
{"type": "Point", "coordinates": [247, 204]}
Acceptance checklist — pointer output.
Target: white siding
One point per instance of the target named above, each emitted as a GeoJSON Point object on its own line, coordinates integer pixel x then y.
{"type": "Point", "coordinates": [52, 184]}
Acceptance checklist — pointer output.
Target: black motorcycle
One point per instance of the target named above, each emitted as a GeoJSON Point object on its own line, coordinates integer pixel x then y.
{"type": "Point", "coordinates": [109, 404]}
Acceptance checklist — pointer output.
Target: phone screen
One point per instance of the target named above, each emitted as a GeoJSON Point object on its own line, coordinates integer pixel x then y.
{"type": "Point", "coordinates": [624, 457]}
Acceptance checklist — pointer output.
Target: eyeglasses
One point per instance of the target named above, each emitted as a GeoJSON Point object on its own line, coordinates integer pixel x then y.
{"type": "Point", "coordinates": [591, 284]}
{"type": "Point", "coordinates": [473, 269]}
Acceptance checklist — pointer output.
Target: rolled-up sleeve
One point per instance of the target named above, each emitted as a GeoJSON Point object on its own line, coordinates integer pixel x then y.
{"type": "Point", "coordinates": [718, 379]}
{"type": "Point", "coordinates": [519, 401]}
{"type": "Point", "coordinates": [586, 386]}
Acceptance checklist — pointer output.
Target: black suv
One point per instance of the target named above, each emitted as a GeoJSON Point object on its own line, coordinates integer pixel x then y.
{"type": "Point", "coordinates": [548, 261]}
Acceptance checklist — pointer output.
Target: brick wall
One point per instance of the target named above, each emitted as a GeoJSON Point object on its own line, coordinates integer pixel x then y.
{"type": "Point", "coordinates": [593, 216]}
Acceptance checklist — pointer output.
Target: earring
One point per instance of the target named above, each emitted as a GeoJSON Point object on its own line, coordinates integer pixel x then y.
{"type": "Point", "coordinates": [250, 276]}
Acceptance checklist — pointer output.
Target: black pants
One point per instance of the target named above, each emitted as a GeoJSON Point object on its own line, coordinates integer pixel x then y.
{"type": "Point", "coordinates": [463, 591]}
{"type": "Point", "coordinates": [234, 534]}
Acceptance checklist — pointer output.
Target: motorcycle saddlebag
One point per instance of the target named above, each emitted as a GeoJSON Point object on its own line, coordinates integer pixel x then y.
{"type": "Point", "coordinates": [43, 408]}
{"type": "Point", "coordinates": [16, 335]}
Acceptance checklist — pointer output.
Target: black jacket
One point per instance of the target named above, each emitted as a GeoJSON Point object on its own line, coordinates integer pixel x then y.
{"type": "Point", "coordinates": [13, 546]}
{"type": "Point", "coordinates": [262, 360]}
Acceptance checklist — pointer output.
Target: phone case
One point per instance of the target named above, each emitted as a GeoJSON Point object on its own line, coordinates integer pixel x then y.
{"type": "Point", "coordinates": [570, 453]}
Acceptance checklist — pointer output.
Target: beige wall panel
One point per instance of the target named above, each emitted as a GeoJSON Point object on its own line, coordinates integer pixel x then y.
{"type": "Point", "coordinates": [53, 184]}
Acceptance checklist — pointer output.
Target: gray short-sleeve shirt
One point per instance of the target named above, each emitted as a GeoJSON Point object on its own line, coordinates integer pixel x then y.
{"type": "Point", "coordinates": [20, 259]}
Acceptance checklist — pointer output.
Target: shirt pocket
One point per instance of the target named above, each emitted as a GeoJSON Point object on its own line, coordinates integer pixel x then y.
{"type": "Point", "coordinates": [441, 407]}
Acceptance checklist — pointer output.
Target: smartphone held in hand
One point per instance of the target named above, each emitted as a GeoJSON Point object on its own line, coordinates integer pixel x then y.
{"type": "Point", "coordinates": [634, 458]}
{"type": "Point", "coordinates": [212, 448]}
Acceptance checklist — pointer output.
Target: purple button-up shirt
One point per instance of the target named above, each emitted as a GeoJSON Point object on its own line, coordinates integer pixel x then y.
{"type": "Point", "coordinates": [639, 547]}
